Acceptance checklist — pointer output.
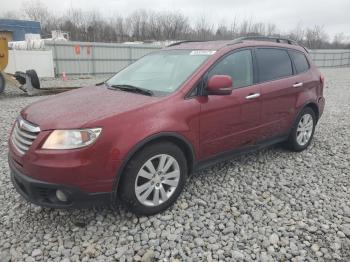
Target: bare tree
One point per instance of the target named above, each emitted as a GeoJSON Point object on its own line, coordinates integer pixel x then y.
{"type": "Point", "coordinates": [297, 33]}
{"type": "Point", "coordinates": [315, 38]}
{"type": "Point", "coordinates": [203, 30]}
{"type": "Point", "coordinates": [37, 11]}
{"type": "Point", "coordinates": [271, 29]}
{"type": "Point", "coordinates": [10, 15]}
{"type": "Point", "coordinates": [338, 40]}
{"type": "Point", "coordinates": [258, 29]}
{"type": "Point", "coordinates": [222, 32]}
{"type": "Point", "coordinates": [145, 25]}
{"type": "Point", "coordinates": [118, 23]}
{"type": "Point", "coordinates": [155, 26]}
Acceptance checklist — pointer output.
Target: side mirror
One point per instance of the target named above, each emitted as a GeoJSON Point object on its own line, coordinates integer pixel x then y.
{"type": "Point", "coordinates": [219, 85]}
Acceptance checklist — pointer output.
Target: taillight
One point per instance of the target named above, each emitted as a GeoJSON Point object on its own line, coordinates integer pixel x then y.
{"type": "Point", "coordinates": [322, 79]}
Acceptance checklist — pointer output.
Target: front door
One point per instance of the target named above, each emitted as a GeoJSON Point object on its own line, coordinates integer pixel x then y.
{"type": "Point", "coordinates": [229, 122]}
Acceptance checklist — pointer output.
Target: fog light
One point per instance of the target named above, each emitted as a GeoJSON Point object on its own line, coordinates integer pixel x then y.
{"type": "Point", "coordinates": [61, 196]}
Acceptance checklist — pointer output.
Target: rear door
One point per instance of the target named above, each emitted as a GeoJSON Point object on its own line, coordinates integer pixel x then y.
{"type": "Point", "coordinates": [304, 80]}
{"type": "Point", "coordinates": [278, 93]}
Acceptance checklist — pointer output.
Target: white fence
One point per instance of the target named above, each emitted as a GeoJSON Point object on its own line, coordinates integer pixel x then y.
{"type": "Point", "coordinates": [83, 58]}
{"type": "Point", "coordinates": [22, 60]}
{"type": "Point", "coordinates": [331, 58]}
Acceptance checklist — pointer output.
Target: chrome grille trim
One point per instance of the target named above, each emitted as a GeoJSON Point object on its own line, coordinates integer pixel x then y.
{"type": "Point", "coordinates": [22, 140]}
{"type": "Point", "coordinates": [23, 135]}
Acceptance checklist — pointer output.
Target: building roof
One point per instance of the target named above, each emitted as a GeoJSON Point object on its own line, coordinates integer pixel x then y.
{"type": "Point", "coordinates": [19, 23]}
{"type": "Point", "coordinates": [20, 27]}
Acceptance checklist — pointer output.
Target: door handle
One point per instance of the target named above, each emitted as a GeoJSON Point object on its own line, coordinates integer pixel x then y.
{"type": "Point", "coordinates": [298, 84]}
{"type": "Point", "coordinates": [252, 96]}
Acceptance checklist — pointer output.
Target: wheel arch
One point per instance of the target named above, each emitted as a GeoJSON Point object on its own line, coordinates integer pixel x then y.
{"type": "Point", "coordinates": [313, 105]}
{"type": "Point", "coordinates": [310, 104]}
{"type": "Point", "coordinates": [173, 137]}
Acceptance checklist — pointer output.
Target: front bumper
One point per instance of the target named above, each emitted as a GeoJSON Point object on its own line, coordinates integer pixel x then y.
{"type": "Point", "coordinates": [44, 193]}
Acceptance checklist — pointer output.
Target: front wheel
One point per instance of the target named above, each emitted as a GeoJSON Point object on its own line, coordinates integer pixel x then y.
{"type": "Point", "coordinates": [303, 130]}
{"type": "Point", "coordinates": [153, 179]}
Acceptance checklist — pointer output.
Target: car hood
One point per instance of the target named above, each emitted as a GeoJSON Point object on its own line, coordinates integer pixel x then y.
{"type": "Point", "coordinates": [79, 108]}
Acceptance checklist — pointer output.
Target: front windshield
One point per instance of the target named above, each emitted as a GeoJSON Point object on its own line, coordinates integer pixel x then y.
{"type": "Point", "coordinates": [161, 72]}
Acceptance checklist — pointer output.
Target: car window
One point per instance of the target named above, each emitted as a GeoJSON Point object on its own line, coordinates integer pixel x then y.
{"type": "Point", "coordinates": [300, 61]}
{"type": "Point", "coordinates": [161, 72]}
{"type": "Point", "coordinates": [238, 65]}
{"type": "Point", "coordinates": [273, 64]}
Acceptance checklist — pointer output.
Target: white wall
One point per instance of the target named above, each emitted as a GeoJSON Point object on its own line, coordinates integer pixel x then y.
{"type": "Point", "coordinates": [23, 60]}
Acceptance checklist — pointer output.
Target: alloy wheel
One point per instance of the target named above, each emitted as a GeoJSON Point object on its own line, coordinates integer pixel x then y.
{"type": "Point", "coordinates": [157, 180]}
{"type": "Point", "coordinates": [304, 129]}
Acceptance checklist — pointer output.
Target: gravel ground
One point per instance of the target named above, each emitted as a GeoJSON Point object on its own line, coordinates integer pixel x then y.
{"type": "Point", "coordinates": [71, 81]}
{"type": "Point", "coordinates": [269, 205]}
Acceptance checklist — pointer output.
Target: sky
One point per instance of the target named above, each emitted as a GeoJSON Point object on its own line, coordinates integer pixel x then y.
{"type": "Point", "coordinates": [333, 15]}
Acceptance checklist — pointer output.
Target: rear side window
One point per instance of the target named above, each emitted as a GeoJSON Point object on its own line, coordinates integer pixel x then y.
{"type": "Point", "coordinates": [300, 61]}
{"type": "Point", "coordinates": [273, 64]}
{"type": "Point", "coordinates": [238, 65]}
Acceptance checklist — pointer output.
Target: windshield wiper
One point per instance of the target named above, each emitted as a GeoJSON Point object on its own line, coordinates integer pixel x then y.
{"type": "Point", "coordinates": [100, 83]}
{"type": "Point", "coordinates": [134, 89]}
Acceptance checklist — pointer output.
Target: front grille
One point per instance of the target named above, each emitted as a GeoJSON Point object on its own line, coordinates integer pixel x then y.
{"type": "Point", "coordinates": [43, 193]}
{"type": "Point", "coordinates": [23, 135]}
{"type": "Point", "coordinates": [21, 186]}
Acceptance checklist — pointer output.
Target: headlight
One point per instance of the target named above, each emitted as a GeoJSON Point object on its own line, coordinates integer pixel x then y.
{"type": "Point", "coordinates": [70, 139]}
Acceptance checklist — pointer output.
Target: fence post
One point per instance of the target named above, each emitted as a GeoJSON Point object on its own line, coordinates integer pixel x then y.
{"type": "Point", "coordinates": [93, 59]}
{"type": "Point", "coordinates": [57, 73]}
{"type": "Point", "coordinates": [130, 55]}
{"type": "Point", "coordinates": [341, 59]}
{"type": "Point", "coordinates": [325, 59]}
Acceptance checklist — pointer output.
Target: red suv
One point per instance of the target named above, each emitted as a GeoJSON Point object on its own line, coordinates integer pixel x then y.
{"type": "Point", "coordinates": [137, 136]}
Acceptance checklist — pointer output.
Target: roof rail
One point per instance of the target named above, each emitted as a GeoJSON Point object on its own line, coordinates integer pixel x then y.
{"type": "Point", "coordinates": [267, 38]}
{"type": "Point", "coordinates": [185, 41]}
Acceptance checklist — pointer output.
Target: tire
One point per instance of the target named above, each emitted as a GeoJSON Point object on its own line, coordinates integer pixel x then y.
{"type": "Point", "coordinates": [34, 78]}
{"type": "Point", "coordinates": [20, 79]}
{"type": "Point", "coordinates": [2, 83]}
{"type": "Point", "coordinates": [300, 140]}
{"type": "Point", "coordinates": [142, 201]}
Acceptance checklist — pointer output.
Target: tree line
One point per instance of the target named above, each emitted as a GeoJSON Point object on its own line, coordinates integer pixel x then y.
{"type": "Point", "coordinates": [147, 26]}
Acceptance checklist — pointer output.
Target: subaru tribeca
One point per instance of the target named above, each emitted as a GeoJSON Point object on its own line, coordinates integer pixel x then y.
{"type": "Point", "coordinates": [137, 136]}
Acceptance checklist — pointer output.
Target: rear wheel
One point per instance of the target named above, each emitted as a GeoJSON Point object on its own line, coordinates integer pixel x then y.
{"type": "Point", "coordinates": [2, 83]}
{"type": "Point", "coordinates": [153, 179]}
{"type": "Point", "coordinates": [303, 130]}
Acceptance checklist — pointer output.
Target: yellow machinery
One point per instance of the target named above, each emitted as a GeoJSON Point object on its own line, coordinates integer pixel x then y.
{"type": "Point", "coordinates": [28, 82]}
{"type": "Point", "coordinates": [4, 58]}
{"type": "Point", "coordinates": [4, 53]}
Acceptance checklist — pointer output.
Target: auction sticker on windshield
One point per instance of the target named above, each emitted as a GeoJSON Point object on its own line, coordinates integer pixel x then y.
{"type": "Point", "coordinates": [203, 52]}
